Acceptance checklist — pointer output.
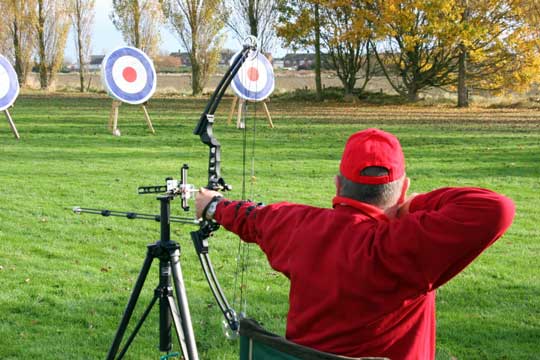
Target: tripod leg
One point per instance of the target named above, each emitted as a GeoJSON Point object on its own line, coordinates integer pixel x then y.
{"type": "Point", "coordinates": [180, 289]}
{"type": "Point", "coordinates": [130, 306]}
{"type": "Point", "coordinates": [137, 327]}
{"type": "Point", "coordinates": [177, 325]}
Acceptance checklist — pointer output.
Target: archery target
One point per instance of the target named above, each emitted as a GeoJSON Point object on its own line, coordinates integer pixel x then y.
{"type": "Point", "coordinates": [9, 84]}
{"type": "Point", "coordinates": [128, 74]}
{"type": "Point", "coordinates": [255, 79]}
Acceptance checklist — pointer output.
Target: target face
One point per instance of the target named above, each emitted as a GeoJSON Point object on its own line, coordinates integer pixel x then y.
{"type": "Point", "coordinates": [255, 79]}
{"type": "Point", "coordinates": [9, 84]}
{"type": "Point", "coordinates": [128, 74]}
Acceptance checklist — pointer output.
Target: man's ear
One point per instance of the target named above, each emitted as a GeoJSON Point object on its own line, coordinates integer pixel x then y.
{"type": "Point", "coordinates": [404, 189]}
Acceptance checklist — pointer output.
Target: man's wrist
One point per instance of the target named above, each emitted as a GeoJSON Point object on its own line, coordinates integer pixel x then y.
{"type": "Point", "coordinates": [210, 209]}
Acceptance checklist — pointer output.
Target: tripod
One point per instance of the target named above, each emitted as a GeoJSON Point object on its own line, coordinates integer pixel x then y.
{"type": "Point", "coordinates": [170, 312]}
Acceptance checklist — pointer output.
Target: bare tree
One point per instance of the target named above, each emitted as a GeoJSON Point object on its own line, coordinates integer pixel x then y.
{"type": "Point", "coordinates": [139, 22]}
{"type": "Point", "coordinates": [198, 25]}
{"type": "Point", "coordinates": [52, 28]}
{"type": "Point", "coordinates": [19, 30]}
{"type": "Point", "coordinates": [82, 18]}
{"type": "Point", "coordinates": [254, 17]}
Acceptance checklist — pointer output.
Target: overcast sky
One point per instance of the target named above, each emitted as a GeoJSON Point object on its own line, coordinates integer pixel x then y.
{"type": "Point", "coordinates": [105, 37]}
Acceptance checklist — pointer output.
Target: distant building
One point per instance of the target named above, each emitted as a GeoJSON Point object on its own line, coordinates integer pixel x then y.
{"type": "Point", "coordinates": [185, 60]}
{"type": "Point", "coordinates": [302, 61]}
{"type": "Point", "coordinates": [95, 62]}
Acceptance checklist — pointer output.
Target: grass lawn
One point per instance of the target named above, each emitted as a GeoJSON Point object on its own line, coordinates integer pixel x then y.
{"type": "Point", "coordinates": [66, 278]}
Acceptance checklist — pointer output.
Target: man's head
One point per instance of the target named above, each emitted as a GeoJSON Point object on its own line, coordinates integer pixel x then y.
{"type": "Point", "coordinates": [372, 169]}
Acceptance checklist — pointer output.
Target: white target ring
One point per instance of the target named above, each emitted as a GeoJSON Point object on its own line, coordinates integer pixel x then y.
{"type": "Point", "coordinates": [128, 74]}
{"type": "Point", "coordinates": [255, 79]}
{"type": "Point", "coordinates": [9, 84]}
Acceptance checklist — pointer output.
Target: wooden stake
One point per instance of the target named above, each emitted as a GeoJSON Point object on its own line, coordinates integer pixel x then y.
{"type": "Point", "coordinates": [115, 130]}
{"type": "Point", "coordinates": [12, 124]}
{"type": "Point", "coordinates": [113, 117]}
{"type": "Point", "coordinates": [239, 121]}
{"type": "Point", "coordinates": [233, 106]}
{"type": "Point", "coordinates": [268, 115]}
{"type": "Point", "coordinates": [147, 117]}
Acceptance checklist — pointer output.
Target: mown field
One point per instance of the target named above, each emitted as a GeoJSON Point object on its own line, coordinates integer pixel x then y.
{"type": "Point", "coordinates": [65, 278]}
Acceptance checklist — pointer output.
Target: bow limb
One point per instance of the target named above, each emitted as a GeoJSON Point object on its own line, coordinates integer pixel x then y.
{"type": "Point", "coordinates": [200, 237]}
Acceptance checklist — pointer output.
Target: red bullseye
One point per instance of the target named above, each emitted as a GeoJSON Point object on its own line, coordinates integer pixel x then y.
{"type": "Point", "coordinates": [129, 74]}
{"type": "Point", "coordinates": [253, 74]}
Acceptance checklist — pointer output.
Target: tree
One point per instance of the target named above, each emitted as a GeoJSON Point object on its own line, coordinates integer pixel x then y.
{"type": "Point", "coordinates": [418, 40]}
{"type": "Point", "coordinates": [499, 47]}
{"type": "Point", "coordinates": [347, 35]}
{"type": "Point", "coordinates": [340, 26]}
{"type": "Point", "coordinates": [299, 25]}
{"type": "Point", "coordinates": [82, 18]}
{"type": "Point", "coordinates": [5, 47]}
{"type": "Point", "coordinates": [52, 28]}
{"type": "Point", "coordinates": [198, 25]}
{"type": "Point", "coordinates": [254, 17]}
{"type": "Point", "coordinates": [139, 22]}
{"type": "Point", "coordinates": [19, 32]}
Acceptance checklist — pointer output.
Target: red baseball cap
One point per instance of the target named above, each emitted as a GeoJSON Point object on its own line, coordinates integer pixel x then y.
{"type": "Point", "coordinates": [372, 147]}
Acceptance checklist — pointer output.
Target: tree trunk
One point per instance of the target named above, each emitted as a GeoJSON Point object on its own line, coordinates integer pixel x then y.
{"type": "Point", "coordinates": [412, 93]}
{"type": "Point", "coordinates": [19, 67]}
{"type": "Point", "coordinates": [463, 90]}
{"type": "Point", "coordinates": [252, 19]}
{"type": "Point", "coordinates": [318, 82]}
{"type": "Point", "coordinates": [136, 25]}
{"type": "Point", "coordinates": [81, 50]}
{"type": "Point", "coordinates": [43, 71]}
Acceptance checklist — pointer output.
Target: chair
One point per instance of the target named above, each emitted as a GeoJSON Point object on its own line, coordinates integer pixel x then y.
{"type": "Point", "coordinates": [256, 343]}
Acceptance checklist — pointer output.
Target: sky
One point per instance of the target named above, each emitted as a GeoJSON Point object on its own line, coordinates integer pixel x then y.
{"type": "Point", "coordinates": [105, 37]}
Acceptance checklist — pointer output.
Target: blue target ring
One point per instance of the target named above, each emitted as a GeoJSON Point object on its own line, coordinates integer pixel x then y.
{"type": "Point", "coordinates": [255, 79]}
{"type": "Point", "coordinates": [128, 74]}
{"type": "Point", "coordinates": [9, 84]}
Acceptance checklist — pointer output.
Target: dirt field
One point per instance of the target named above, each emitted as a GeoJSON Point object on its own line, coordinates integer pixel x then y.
{"type": "Point", "coordinates": [181, 83]}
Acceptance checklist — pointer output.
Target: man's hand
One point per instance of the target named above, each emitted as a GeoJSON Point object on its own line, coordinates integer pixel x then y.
{"type": "Point", "coordinates": [203, 197]}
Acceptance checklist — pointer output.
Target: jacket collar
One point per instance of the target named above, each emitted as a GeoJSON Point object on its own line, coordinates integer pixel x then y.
{"type": "Point", "coordinates": [369, 210]}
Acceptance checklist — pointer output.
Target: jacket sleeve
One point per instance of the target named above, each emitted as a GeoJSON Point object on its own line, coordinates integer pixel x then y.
{"type": "Point", "coordinates": [268, 226]}
{"type": "Point", "coordinates": [444, 231]}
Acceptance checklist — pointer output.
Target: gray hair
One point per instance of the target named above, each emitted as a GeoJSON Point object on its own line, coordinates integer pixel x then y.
{"type": "Point", "coordinates": [380, 195]}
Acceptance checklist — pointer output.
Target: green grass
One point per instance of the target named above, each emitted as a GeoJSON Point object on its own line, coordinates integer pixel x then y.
{"type": "Point", "coordinates": [65, 278]}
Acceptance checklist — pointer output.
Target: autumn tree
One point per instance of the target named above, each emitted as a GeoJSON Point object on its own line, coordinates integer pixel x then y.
{"type": "Point", "coordinates": [82, 18]}
{"type": "Point", "coordinates": [499, 47]}
{"type": "Point", "coordinates": [253, 17]}
{"type": "Point", "coordinates": [347, 35]}
{"type": "Point", "coordinates": [198, 25]}
{"type": "Point", "coordinates": [299, 26]}
{"type": "Point", "coordinates": [19, 34]}
{"type": "Point", "coordinates": [139, 22]}
{"type": "Point", "coordinates": [418, 42]}
{"type": "Point", "coordinates": [52, 26]}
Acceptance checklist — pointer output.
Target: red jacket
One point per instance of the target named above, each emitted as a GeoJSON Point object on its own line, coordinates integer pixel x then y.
{"type": "Point", "coordinates": [361, 284]}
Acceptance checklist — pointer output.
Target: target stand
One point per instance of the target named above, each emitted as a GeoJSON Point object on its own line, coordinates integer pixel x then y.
{"type": "Point", "coordinates": [254, 82]}
{"type": "Point", "coordinates": [9, 90]}
{"type": "Point", "coordinates": [129, 76]}
{"type": "Point", "coordinates": [113, 118]}
{"type": "Point", "coordinates": [241, 110]}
